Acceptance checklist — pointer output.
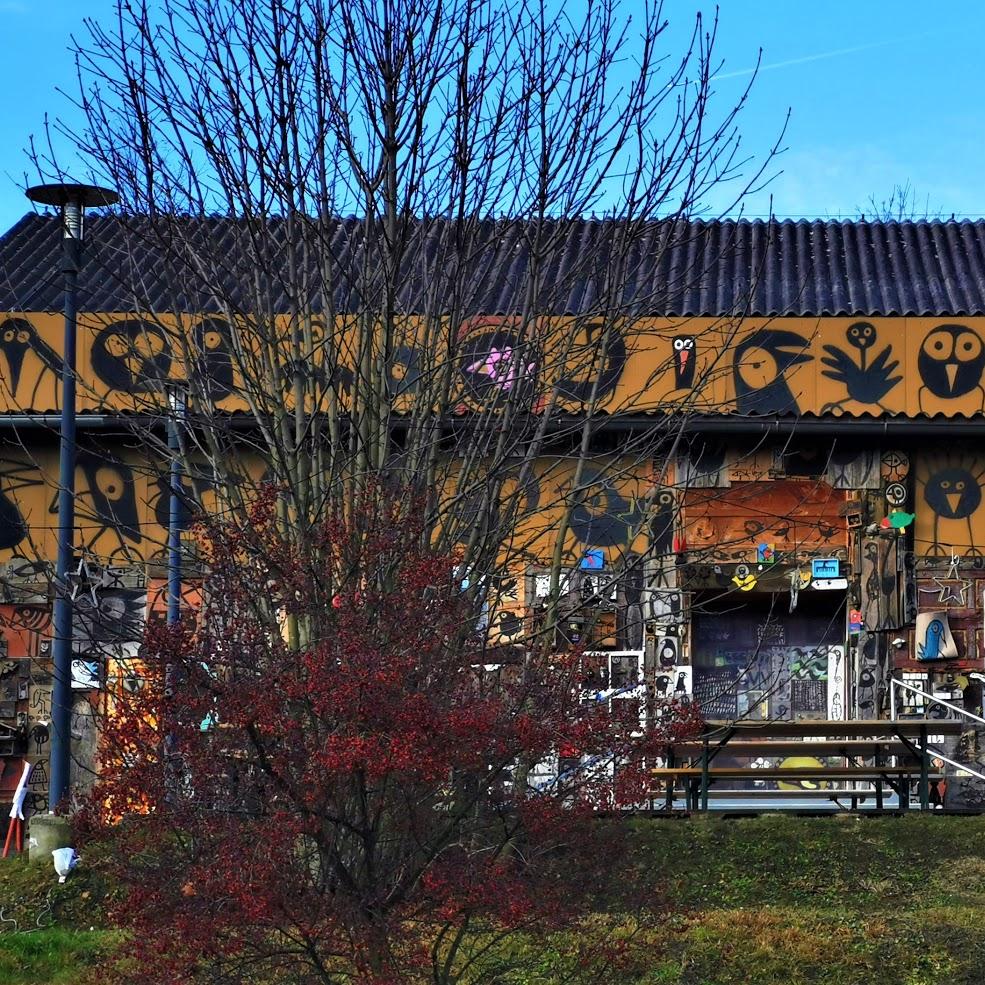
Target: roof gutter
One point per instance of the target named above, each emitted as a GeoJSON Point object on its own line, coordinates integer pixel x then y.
{"type": "Point", "coordinates": [838, 427]}
{"type": "Point", "coordinates": [695, 424]}
{"type": "Point", "coordinates": [54, 420]}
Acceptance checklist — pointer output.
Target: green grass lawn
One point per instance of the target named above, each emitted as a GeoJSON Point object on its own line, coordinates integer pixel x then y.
{"type": "Point", "coordinates": [776, 899]}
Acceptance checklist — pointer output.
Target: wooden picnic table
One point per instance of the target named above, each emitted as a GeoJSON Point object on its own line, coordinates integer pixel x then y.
{"type": "Point", "coordinates": [876, 739]}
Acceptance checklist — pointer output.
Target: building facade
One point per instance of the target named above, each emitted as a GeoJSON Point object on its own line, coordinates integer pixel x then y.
{"type": "Point", "coordinates": [815, 527]}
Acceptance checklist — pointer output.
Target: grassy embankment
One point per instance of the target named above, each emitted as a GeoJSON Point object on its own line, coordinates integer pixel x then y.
{"type": "Point", "coordinates": [845, 900]}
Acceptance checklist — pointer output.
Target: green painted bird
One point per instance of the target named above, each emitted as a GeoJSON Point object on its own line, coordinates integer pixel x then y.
{"type": "Point", "coordinates": [898, 520]}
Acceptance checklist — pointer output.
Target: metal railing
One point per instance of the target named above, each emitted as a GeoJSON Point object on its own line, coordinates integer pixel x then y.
{"type": "Point", "coordinates": [894, 682]}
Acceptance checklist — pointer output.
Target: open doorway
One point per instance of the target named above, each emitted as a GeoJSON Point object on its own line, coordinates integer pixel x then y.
{"type": "Point", "coordinates": [754, 659]}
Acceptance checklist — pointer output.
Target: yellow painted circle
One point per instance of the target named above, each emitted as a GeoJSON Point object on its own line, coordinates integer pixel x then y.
{"type": "Point", "coordinates": [794, 762]}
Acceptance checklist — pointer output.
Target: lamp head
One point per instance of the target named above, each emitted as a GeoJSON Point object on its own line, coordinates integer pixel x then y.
{"type": "Point", "coordinates": [73, 199]}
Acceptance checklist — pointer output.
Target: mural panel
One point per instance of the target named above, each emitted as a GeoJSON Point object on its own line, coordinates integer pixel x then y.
{"type": "Point", "coordinates": [786, 366]}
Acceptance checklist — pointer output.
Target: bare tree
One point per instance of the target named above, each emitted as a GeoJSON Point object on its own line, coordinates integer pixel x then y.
{"type": "Point", "coordinates": [403, 247]}
{"type": "Point", "coordinates": [359, 232]}
{"type": "Point", "coordinates": [902, 204]}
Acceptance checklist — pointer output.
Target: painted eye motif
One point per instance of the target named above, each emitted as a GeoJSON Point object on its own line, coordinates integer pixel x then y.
{"type": "Point", "coordinates": [967, 347]}
{"type": "Point", "coordinates": [946, 484]}
{"type": "Point", "coordinates": [23, 336]}
{"type": "Point", "coordinates": [8, 336]}
{"type": "Point", "coordinates": [940, 345]}
{"type": "Point", "coordinates": [108, 483]}
{"type": "Point", "coordinates": [212, 340]}
{"type": "Point", "coordinates": [959, 486]}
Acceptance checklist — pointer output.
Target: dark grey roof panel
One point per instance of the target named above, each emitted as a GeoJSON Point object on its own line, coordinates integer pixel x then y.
{"type": "Point", "coordinates": [670, 268]}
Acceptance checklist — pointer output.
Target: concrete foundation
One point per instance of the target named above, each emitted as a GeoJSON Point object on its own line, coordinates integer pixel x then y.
{"type": "Point", "coordinates": [45, 833]}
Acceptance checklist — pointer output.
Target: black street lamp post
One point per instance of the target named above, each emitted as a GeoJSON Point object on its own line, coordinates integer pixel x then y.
{"type": "Point", "coordinates": [72, 200]}
{"type": "Point", "coordinates": [177, 401]}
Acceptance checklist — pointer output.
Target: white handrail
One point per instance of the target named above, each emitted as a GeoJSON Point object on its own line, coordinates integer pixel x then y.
{"type": "Point", "coordinates": [961, 766]}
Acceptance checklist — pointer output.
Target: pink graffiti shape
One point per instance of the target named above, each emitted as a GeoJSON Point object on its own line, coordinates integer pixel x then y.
{"type": "Point", "coordinates": [500, 365]}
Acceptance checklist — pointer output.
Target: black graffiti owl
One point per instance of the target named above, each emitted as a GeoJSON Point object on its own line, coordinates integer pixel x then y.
{"type": "Point", "coordinates": [951, 361]}
{"type": "Point", "coordinates": [132, 356]}
{"type": "Point", "coordinates": [953, 493]}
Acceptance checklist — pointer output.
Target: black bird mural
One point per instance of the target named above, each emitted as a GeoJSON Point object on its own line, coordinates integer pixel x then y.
{"type": "Point", "coordinates": [189, 500]}
{"type": "Point", "coordinates": [865, 382]}
{"type": "Point", "coordinates": [13, 477]}
{"type": "Point", "coordinates": [18, 337]}
{"type": "Point", "coordinates": [951, 363]}
{"type": "Point", "coordinates": [109, 501]}
{"type": "Point", "coordinates": [213, 341]}
{"type": "Point", "coordinates": [605, 518]}
{"type": "Point", "coordinates": [684, 353]}
{"type": "Point", "coordinates": [662, 523]}
{"type": "Point", "coordinates": [759, 365]}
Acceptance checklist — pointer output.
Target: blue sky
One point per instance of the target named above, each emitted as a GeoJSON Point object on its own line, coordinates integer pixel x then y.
{"type": "Point", "coordinates": [882, 93]}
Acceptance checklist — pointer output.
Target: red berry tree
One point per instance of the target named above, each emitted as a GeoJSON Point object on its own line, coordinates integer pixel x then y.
{"type": "Point", "coordinates": [374, 806]}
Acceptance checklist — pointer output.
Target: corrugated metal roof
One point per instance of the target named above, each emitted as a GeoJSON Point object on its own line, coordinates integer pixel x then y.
{"type": "Point", "coordinates": [662, 268]}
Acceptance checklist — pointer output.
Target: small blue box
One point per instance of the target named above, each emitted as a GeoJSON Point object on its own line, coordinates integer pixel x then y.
{"type": "Point", "coordinates": [594, 560]}
{"type": "Point", "coordinates": [825, 567]}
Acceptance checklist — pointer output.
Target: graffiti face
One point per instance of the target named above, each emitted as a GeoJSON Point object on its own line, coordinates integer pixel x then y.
{"type": "Point", "coordinates": [895, 466]}
{"type": "Point", "coordinates": [953, 493]}
{"type": "Point", "coordinates": [132, 356]}
{"type": "Point", "coordinates": [861, 335]}
{"type": "Point", "coordinates": [951, 361]}
{"type": "Point", "coordinates": [950, 483]}
{"type": "Point", "coordinates": [896, 494]}
{"type": "Point", "coordinates": [684, 353]}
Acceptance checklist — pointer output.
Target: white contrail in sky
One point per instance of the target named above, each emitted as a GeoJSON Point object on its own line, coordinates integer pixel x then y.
{"type": "Point", "coordinates": [815, 58]}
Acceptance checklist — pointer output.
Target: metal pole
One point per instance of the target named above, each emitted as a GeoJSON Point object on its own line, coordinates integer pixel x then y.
{"type": "Point", "coordinates": [72, 199]}
{"type": "Point", "coordinates": [175, 509]}
{"type": "Point", "coordinates": [61, 698]}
